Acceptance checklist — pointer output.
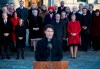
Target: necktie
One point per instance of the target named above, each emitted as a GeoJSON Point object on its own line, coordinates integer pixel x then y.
{"type": "Point", "coordinates": [5, 22]}
{"type": "Point", "coordinates": [51, 16]}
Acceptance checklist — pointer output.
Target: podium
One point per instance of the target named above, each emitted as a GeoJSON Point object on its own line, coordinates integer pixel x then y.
{"type": "Point", "coordinates": [50, 65]}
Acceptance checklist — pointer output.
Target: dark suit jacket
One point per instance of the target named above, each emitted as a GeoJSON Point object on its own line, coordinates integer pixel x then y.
{"type": "Point", "coordinates": [93, 13]}
{"type": "Point", "coordinates": [61, 10]}
{"type": "Point", "coordinates": [86, 21]}
{"type": "Point", "coordinates": [23, 14]}
{"type": "Point", "coordinates": [59, 30]}
{"type": "Point", "coordinates": [48, 19]}
{"type": "Point", "coordinates": [42, 52]}
{"type": "Point", "coordinates": [6, 29]}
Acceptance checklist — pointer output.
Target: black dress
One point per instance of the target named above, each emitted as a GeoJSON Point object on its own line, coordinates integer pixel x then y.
{"type": "Point", "coordinates": [20, 32]}
{"type": "Point", "coordinates": [43, 53]}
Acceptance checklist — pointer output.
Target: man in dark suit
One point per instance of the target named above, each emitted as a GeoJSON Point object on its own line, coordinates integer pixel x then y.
{"type": "Point", "coordinates": [6, 31]}
{"type": "Point", "coordinates": [61, 8]}
{"type": "Point", "coordinates": [91, 12]}
{"type": "Point", "coordinates": [80, 9]}
{"type": "Point", "coordinates": [85, 33]}
{"type": "Point", "coordinates": [74, 12]}
{"type": "Point", "coordinates": [59, 28]}
{"type": "Point", "coordinates": [49, 48]}
{"type": "Point", "coordinates": [23, 13]}
{"type": "Point", "coordinates": [4, 10]}
{"type": "Point", "coordinates": [50, 16]}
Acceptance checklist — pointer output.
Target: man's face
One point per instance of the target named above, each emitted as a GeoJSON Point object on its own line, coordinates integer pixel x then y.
{"type": "Point", "coordinates": [49, 33]}
{"type": "Point", "coordinates": [50, 10]}
{"type": "Point", "coordinates": [57, 17]}
{"type": "Point", "coordinates": [4, 16]}
{"type": "Point", "coordinates": [33, 6]}
{"type": "Point", "coordinates": [90, 8]}
{"type": "Point", "coordinates": [84, 11]}
{"type": "Point", "coordinates": [5, 10]}
{"type": "Point", "coordinates": [56, 7]}
{"type": "Point", "coordinates": [74, 9]}
{"type": "Point", "coordinates": [62, 3]}
{"type": "Point", "coordinates": [11, 6]}
{"type": "Point", "coordinates": [63, 15]}
{"type": "Point", "coordinates": [21, 4]}
{"type": "Point", "coordinates": [87, 7]}
{"type": "Point", "coordinates": [80, 7]}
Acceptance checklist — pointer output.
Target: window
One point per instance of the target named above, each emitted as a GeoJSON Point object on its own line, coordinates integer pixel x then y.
{"type": "Point", "coordinates": [81, 0]}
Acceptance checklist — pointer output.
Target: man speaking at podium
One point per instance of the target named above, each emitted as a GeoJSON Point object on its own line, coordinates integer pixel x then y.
{"type": "Point", "coordinates": [49, 48]}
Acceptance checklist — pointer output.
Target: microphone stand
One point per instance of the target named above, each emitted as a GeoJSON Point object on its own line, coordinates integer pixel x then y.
{"type": "Point", "coordinates": [50, 54]}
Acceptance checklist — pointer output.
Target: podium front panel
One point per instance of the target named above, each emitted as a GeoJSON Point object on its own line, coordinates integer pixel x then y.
{"type": "Point", "coordinates": [51, 65]}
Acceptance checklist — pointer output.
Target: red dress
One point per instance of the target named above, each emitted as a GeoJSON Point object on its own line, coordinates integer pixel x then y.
{"type": "Point", "coordinates": [73, 27]}
{"type": "Point", "coordinates": [14, 22]}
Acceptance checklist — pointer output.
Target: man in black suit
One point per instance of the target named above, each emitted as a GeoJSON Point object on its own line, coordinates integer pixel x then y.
{"type": "Point", "coordinates": [49, 48]}
{"type": "Point", "coordinates": [59, 28]}
{"type": "Point", "coordinates": [61, 8]}
{"type": "Point", "coordinates": [4, 10]}
{"type": "Point", "coordinates": [6, 31]}
{"type": "Point", "coordinates": [91, 12]}
{"type": "Point", "coordinates": [50, 16]}
{"type": "Point", "coordinates": [85, 33]}
{"type": "Point", "coordinates": [74, 12]}
{"type": "Point", "coordinates": [22, 13]}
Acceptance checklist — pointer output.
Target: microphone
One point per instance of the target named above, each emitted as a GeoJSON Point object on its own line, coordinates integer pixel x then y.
{"type": "Point", "coordinates": [50, 46]}
{"type": "Point", "coordinates": [49, 49]}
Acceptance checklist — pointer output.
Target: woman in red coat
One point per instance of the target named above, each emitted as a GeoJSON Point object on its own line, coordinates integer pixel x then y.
{"type": "Point", "coordinates": [73, 29]}
{"type": "Point", "coordinates": [15, 21]}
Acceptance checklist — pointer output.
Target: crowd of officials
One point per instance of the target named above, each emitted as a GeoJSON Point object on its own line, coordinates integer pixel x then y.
{"type": "Point", "coordinates": [79, 27]}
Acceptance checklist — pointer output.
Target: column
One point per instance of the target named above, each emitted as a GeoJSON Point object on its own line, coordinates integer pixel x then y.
{"type": "Point", "coordinates": [45, 2]}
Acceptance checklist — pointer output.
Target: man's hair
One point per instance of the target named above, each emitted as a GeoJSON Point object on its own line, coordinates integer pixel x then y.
{"type": "Point", "coordinates": [81, 4]}
{"type": "Point", "coordinates": [21, 1]}
{"type": "Point", "coordinates": [48, 26]}
{"type": "Point", "coordinates": [4, 7]}
{"type": "Point", "coordinates": [91, 5]}
{"type": "Point", "coordinates": [84, 8]}
{"type": "Point", "coordinates": [63, 12]}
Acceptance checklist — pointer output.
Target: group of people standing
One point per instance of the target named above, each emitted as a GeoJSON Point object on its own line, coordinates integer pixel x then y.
{"type": "Point", "coordinates": [54, 24]}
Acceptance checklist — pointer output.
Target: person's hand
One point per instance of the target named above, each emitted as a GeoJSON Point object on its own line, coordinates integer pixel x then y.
{"type": "Point", "coordinates": [20, 38]}
{"type": "Point", "coordinates": [73, 34]}
{"type": "Point", "coordinates": [84, 27]}
{"type": "Point", "coordinates": [6, 34]}
{"type": "Point", "coordinates": [36, 29]}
